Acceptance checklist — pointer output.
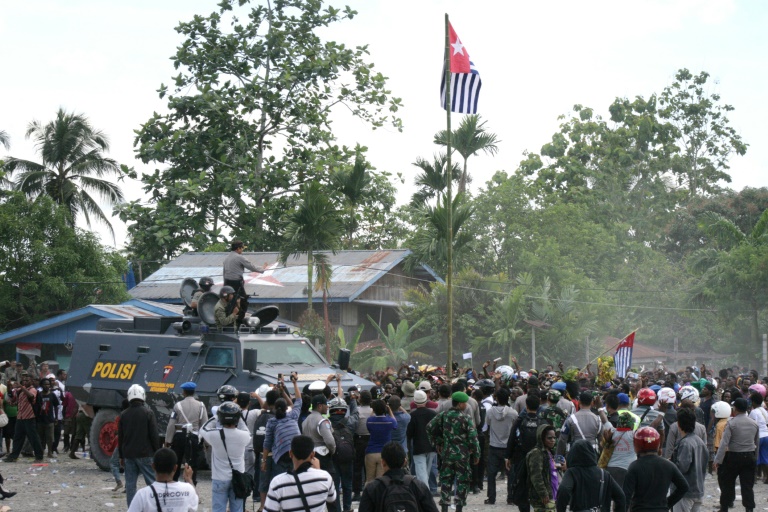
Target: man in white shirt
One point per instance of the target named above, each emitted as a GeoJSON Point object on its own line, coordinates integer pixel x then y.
{"type": "Point", "coordinates": [307, 487]}
{"type": "Point", "coordinates": [171, 495]}
{"type": "Point", "coordinates": [237, 441]}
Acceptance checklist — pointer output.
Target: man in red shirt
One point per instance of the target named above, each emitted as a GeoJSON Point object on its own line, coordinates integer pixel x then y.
{"type": "Point", "coordinates": [24, 396]}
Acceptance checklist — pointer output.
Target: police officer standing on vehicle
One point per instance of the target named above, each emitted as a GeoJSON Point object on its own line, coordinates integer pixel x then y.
{"type": "Point", "coordinates": [187, 417]}
{"type": "Point", "coordinates": [234, 266]}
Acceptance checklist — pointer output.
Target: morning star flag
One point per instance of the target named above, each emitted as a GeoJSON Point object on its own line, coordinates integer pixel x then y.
{"type": "Point", "coordinates": [623, 358]}
{"type": "Point", "coordinates": [465, 79]}
{"type": "Point", "coordinates": [29, 349]}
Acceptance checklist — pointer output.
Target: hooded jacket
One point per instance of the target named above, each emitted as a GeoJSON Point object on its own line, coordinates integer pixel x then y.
{"type": "Point", "coordinates": [500, 419]}
{"type": "Point", "coordinates": [580, 487]}
{"type": "Point", "coordinates": [537, 462]}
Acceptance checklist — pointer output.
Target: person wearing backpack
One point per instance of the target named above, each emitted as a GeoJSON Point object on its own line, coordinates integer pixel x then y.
{"type": "Point", "coordinates": [522, 439]}
{"type": "Point", "coordinates": [344, 456]}
{"type": "Point", "coordinates": [583, 424]}
{"type": "Point", "coordinates": [395, 491]}
{"type": "Point", "coordinates": [587, 487]}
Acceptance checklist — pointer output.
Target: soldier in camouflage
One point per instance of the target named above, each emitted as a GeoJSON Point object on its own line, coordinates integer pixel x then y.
{"type": "Point", "coordinates": [226, 294]}
{"type": "Point", "coordinates": [454, 436]}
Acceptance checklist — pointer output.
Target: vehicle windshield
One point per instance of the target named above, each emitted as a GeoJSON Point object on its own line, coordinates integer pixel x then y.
{"type": "Point", "coordinates": [285, 351]}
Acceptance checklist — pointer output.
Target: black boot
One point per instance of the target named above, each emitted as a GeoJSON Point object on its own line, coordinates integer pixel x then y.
{"type": "Point", "coordinates": [459, 508]}
{"type": "Point", "coordinates": [443, 508]}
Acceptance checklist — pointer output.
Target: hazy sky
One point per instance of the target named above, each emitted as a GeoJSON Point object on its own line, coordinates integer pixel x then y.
{"type": "Point", "coordinates": [106, 59]}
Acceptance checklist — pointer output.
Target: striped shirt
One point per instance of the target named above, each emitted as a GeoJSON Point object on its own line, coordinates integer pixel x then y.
{"type": "Point", "coordinates": [284, 494]}
{"type": "Point", "coordinates": [281, 432]}
{"type": "Point", "coordinates": [26, 412]}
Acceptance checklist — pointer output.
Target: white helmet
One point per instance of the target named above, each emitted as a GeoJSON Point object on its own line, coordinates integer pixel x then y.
{"type": "Point", "coordinates": [263, 390]}
{"type": "Point", "coordinates": [136, 392]}
{"type": "Point", "coordinates": [689, 393]}
{"type": "Point", "coordinates": [721, 409]}
{"type": "Point", "coordinates": [318, 385]}
{"type": "Point", "coordinates": [667, 396]}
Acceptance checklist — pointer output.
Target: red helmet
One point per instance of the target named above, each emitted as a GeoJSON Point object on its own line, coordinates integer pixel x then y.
{"type": "Point", "coordinates": [646, 396]}
{"type": "Point", "coordinates": [647, 439]}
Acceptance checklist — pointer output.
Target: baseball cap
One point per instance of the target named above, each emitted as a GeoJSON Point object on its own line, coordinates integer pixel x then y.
{"type": "Point", "coordinates": [420, 397]}
{"type": "Point", "coordinates": [425, 385]}
{"type": "Point", "coordinates": [623, 398]}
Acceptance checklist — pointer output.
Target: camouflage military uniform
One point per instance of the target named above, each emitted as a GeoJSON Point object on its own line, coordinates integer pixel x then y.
{"type": "Point", "coordinates": [455, 437]}
{"type": "Point", "coordinates": [537, 463]}
{"type": "Point", "coordinates": [222, 319]}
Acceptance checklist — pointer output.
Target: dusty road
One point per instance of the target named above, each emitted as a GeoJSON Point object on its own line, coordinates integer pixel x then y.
{"type": "Point", "coordinates": [79, 485]}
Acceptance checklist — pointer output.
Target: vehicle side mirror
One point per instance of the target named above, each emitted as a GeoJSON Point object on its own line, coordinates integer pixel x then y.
{"type": "Point", "coordinates": [344, 356]}
{"type": "Point", "coordinates": [250, 359]}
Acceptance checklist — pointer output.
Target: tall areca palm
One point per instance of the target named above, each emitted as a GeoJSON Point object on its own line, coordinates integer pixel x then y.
{"type": "Point", "coordinates": [313, 226]}
{"type": "Point", "coordinates": [469, 138]}
{"type": "Point", "coordinates": [324, 275]}
{"type": "Point", "coordinates": [73, 167]}
{"type": "Point", "coordinates": [430, 243]}
{"type": "Point", "coordinates": [353, 184]}
{"type": "Point", "coordinates": [432, 181]}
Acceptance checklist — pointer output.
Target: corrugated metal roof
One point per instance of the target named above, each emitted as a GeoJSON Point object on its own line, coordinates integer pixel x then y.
{"type": "Point", "coordinates": [129, 309]}
{"type": "Point", "coordinates": [353, 272]}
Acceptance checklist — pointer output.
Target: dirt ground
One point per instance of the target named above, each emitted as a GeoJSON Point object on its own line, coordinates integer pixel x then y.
{"type": "Point", "coordinates": [79, 485]}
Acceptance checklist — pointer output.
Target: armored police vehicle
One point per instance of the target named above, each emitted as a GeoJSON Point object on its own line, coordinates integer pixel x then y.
{"type": "Point", "coordinates": [161, 353]}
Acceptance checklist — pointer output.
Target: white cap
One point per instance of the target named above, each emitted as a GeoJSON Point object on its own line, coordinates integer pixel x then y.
{"type": "Point", "coordinates": [420, 397]}
{"type": "Point", "coordinates": [425, 386]}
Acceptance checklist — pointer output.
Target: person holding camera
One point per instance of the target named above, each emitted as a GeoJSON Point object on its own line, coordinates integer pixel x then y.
{"type": "Point", "coordinates": [380, 426]}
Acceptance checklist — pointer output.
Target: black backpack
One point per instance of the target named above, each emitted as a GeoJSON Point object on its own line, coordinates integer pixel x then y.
{"type": "Point", "coordinates": [345, 448]}
{"type": "Point", "coordinates": [525, 430]}
{"type": "Point", "coordinates": [260, 430]}
{"type": "Point", "coordinates": [398, 496]}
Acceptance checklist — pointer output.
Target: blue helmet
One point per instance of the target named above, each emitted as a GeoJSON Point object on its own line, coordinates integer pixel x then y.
{"type": "Point", "coordinates": [559, 386]}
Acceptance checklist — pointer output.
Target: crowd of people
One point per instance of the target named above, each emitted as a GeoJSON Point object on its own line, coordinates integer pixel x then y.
{"type": "Point", "coordinates": [423, 438]}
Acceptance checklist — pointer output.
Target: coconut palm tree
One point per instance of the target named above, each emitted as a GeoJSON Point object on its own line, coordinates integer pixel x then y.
{"type": "Point", "coordinates": [72, 167]}
{"type": "Point", "coordinates": [5, 139]}
{"type": "Point", "coordinates": [469, 138]}
{"type": "Point", "coordinates": [315, 225]}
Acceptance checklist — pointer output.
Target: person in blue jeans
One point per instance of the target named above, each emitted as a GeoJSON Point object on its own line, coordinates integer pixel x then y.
{"type": "Point", "coordinates": [137, 441]}
{"type": "Point", "coordinates": [227, 452]}
{"type": "Point", "coordinates": [423, 454]}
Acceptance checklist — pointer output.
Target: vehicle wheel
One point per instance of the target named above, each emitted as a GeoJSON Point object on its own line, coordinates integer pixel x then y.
{"type": "Point", "coordinates": [103, 437]}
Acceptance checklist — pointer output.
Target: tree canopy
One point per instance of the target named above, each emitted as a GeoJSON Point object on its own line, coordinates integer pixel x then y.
{"type": "Point", "coordinates": [249, 122]}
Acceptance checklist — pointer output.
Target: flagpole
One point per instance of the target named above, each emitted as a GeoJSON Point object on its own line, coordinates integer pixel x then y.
{"type": "Point", "coordinates": [612, 348]}
{"type": "Point", "coordinates": [449, 194]}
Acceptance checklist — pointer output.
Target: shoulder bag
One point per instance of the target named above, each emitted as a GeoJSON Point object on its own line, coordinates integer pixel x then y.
{"type": "Point", "coordinates": [242, 483]}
